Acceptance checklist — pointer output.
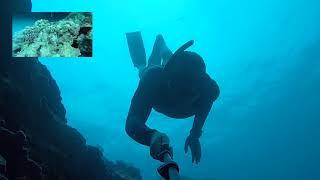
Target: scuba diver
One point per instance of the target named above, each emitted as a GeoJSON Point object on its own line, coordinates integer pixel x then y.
{"type": "Point", "coordinates": [174, 84]}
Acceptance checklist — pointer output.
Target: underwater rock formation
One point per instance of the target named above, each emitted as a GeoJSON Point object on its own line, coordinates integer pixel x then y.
{"type": "Point", "coordinates": [126, 171]}
{"type": "Point", "coordinates": [14, 148]}
{"type": "Point", "coordinates": [69, 37]}
{"type": "Point", "coordinates": [34, 128]}
{"type": "Point", "coordinates": [3, 168]}
{"type": "Point", "coordinates": [35, 140]}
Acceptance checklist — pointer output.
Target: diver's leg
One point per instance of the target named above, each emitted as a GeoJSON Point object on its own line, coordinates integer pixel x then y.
{"type": "Point", "coordinates": [160, 52]}
{"type": "Point", "coordinates": [166, 53]}
{"type": "Point", "coordinates": [155, 57]}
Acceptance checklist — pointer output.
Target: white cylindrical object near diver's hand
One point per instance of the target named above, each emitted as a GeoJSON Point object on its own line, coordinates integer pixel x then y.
{"type": "Point", "coordinates": [173, 173]}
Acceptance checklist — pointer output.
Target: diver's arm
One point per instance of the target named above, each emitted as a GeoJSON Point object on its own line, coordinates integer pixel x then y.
{"type": "Point", "coordinates": [139, 112]}
{"type": "Point", "coordinates": [136, 127]}
{"type": "Point", "coordinates": [204, 104]}
{"type": "Point", "coordinates": [200, 118]}
{"type": "Point", "coordinates": [192, 140]}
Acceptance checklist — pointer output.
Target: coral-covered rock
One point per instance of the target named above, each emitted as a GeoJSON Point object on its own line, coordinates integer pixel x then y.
{"type": "Point", "coordinates": [69, 37]}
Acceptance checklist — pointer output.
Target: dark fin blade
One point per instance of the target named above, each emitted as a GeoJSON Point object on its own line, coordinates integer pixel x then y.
{"type": "Point", "coordinates": [136, 49]}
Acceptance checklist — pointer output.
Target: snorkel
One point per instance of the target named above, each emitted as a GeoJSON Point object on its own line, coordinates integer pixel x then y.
{"type": "Point", "coordinates": [184, 47]}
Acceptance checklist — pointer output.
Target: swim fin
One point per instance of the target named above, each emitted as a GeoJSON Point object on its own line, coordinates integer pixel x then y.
{"type": "Point", "coordinates": [136, 49]}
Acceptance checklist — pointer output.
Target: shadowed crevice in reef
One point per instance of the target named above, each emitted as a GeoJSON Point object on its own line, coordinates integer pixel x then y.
{"type": "Point", "coordinates": [35, 140]}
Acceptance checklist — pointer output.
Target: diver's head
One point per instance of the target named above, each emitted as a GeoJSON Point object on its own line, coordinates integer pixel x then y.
{"type": "Point", "coordinates": [185, 72]}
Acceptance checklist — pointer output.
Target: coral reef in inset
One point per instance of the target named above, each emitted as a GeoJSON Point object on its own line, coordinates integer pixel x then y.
{"type": "Point", "coordinates": [69, 37]}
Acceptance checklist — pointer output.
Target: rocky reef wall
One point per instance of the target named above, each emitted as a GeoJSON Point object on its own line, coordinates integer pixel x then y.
{"type": "Point", "coordinates": [35, 139]}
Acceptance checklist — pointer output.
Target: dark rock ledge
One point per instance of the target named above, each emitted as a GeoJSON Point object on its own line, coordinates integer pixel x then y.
{"type": "Point", "coordinates": [35, 139]}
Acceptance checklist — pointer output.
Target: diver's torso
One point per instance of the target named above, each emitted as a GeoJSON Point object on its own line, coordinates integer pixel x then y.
{"type": "Point", "coordinates": [173, 109]}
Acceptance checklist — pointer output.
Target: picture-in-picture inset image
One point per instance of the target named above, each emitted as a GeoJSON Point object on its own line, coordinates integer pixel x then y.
{"type": "Point", "coordinates": [52, 34]}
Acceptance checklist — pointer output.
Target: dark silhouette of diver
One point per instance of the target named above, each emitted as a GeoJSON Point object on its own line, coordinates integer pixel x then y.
{"type": "Point", "coordinates": [175, 85]}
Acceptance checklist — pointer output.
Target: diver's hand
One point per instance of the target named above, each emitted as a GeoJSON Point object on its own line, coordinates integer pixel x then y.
{"type": "Point", "coordinates": [194, 144]}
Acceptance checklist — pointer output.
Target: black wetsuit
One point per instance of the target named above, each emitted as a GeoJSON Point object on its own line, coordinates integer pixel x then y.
{"type": "Point", "coordinates": [153, 93]}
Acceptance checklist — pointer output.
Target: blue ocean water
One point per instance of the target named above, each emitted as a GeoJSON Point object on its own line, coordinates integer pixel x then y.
{"type": "Point", "coordinates": [265, 55]}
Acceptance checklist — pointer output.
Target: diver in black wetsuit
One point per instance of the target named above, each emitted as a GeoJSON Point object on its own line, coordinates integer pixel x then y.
{"type": "Point", "coordinates": [175, 85]}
